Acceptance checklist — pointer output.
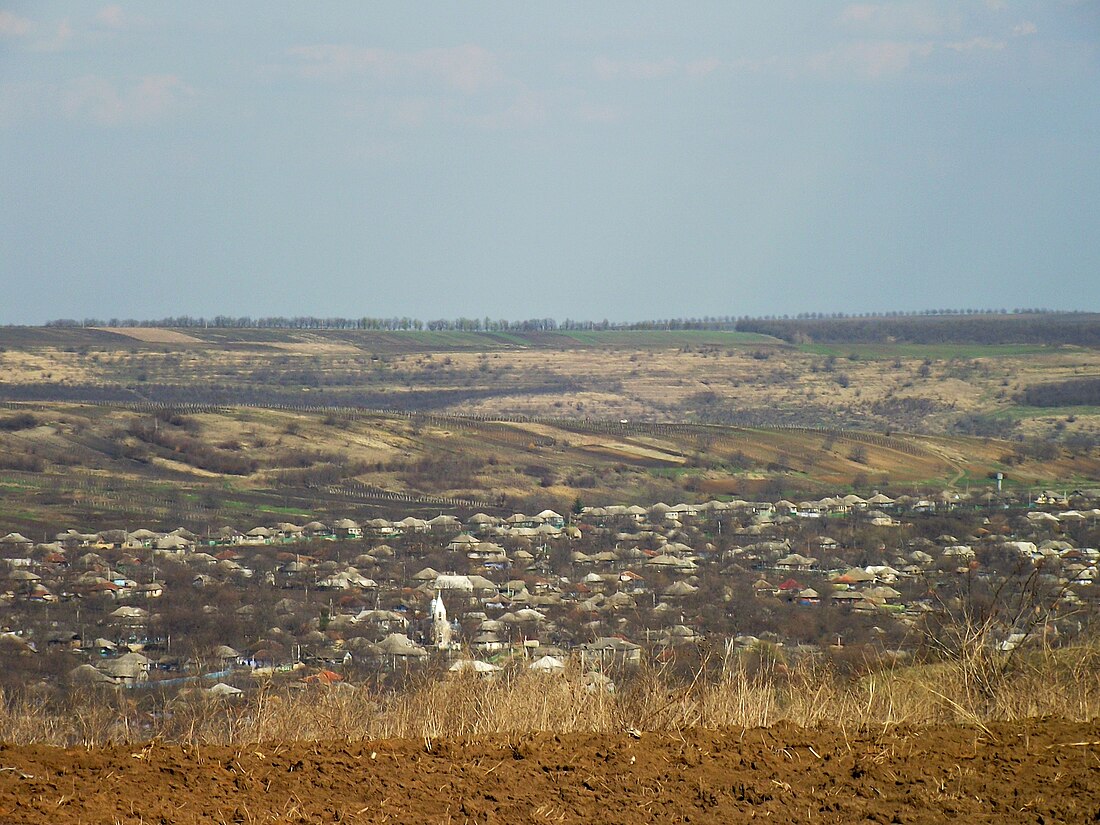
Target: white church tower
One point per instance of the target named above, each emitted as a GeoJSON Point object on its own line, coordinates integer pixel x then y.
{"type": "Point", "coordinates": [441, 628]}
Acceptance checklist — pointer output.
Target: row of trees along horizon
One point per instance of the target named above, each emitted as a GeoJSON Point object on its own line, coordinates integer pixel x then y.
{"type": "Point", "coordinates": [976, 326]}
{"type": "Point", "coordinates": [487, 324]}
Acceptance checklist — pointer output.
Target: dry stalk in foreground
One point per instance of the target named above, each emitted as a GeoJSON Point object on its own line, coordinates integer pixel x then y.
{"type": "Point", "coordinates": [1064, 683]}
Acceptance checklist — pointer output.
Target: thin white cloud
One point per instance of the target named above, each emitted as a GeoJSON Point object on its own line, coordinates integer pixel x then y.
{"type": "Point", "coordinates": [156, 95]}
{"type": "Point", "coordinates": [859, 12]}
{"type": "Point", "coordinates": [413, 112]}
{"type": "Point", "coordinates": [976, 44]}
{"type": "Point", "coordinates": [593, 113]}
{"type": "Point", "coordinates": [61, 39]}
{"type": "Point", "coordinates": [106, 103]}
{"type": "Point", "coordinates": [607, 68]}
{"type": "Point", "coordinates": [703, 66]}
{"type": "Point", "coordinates": [526, 109]}
{"type": "Point", "coordinates": [94, 99]}
{"type": "Point", "coordinates": [63, 35]}
{"type": "Point", "coordinates": [753, 65]}
{"type": "Point", "coordinates": [112, 16]}
{"type": "Point", "coordinates": [899, 20]}
{"type": "Point", "coordinates": [871, 58]}
{"type": "Point", "coordinates": [467, 68]}
{"type": "Point", "coordinates": [893, 37]}
{"type": "Point", "coordinates": [12, 25]}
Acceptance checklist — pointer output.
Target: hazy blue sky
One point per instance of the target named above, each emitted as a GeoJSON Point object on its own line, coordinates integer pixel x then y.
{"type": "Point", "coordinates": [587, 159]}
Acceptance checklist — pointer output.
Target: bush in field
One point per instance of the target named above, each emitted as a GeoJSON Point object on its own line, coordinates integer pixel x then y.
{"type": "Point", "coordinates": [441, 471]}
{"type": "Point", "coordinates": [986, 426]}
{"type": "Point", "coordinates": [24, 463]}
{"type": "Point", "coordinates": [20, 421]}
{"type": "Point", "coordinates": [183, 447]}
{"type": "Point", "coordinates": [1074, 392]}
{"type": "Point", "coordinates": [318, 474]}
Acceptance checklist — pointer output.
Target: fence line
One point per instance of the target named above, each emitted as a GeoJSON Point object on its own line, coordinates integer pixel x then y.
{"type": "Point", "coordinates": [366, 491]}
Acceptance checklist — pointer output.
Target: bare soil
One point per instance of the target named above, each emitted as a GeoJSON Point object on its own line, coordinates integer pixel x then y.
{"type": "Point", "coordinates": [1038, 772]}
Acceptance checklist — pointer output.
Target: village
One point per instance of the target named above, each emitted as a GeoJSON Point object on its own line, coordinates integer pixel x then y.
{"type": "Point", "coordinates": [602, 587]}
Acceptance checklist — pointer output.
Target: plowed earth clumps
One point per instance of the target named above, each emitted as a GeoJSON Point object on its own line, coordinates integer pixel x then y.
{"type": "Point", "coordinates": [1040, 772]}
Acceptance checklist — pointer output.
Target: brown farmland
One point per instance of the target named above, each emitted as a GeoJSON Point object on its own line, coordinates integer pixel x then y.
{"type": "Point", "coordinates": [1004, 773]}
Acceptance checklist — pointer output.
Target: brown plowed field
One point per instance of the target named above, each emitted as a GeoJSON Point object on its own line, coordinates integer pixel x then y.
{"type": "Point", "coordinates": [1042, 772]}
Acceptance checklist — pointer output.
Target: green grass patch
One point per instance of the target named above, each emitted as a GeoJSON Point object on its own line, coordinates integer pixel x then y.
{"type": "Point", "coordinates": [1019, 412]}
{"type": "Point", "coordinates": [22, 515]}
{"type": "Point", "coordinates": [283, 511]}
{"type": "Point", "coordinates": [16, 485]}
{"type": "Point", "coordinates": [673, 473]}
{"type": "Point", "coordinates": [505, 338]}
{"type": "Point", "coordinates": [642, 338]}
{"type": "Point", "coordinates": [450, 339]}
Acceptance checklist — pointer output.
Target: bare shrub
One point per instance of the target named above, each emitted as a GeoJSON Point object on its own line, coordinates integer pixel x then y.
{"type": "Point", "coordinates": [19, 421]}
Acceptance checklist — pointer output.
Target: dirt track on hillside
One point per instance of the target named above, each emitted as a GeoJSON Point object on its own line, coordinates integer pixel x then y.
{"type": "Point", "coordinates": [1044, 772]}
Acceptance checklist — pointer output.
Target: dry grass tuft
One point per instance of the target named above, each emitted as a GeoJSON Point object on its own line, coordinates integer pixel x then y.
{"type": "Point", "coordinates": [1047, 683]}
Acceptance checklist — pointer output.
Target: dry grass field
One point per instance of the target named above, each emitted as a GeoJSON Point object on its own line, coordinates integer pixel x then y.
{"type": "Point", "coordinates": [94, 464]}
{"type": "Point", "coordinates": [153, 335]}
{"type": "Point", "coordinates": [706, 376]}
{"type": "Point", "coordinates": [282, 416]}
{"type": "Point", "coordinates": [750, 689]}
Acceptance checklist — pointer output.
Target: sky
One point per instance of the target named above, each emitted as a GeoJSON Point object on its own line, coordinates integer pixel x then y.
{"type": "Point", "coordinates": [585, 160]}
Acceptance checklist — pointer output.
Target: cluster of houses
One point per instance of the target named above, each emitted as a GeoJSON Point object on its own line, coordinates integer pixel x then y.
{"type": "Point", "coordinates": [547, 524]}
{"type": "Point", "coordinates": [607, 585]}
